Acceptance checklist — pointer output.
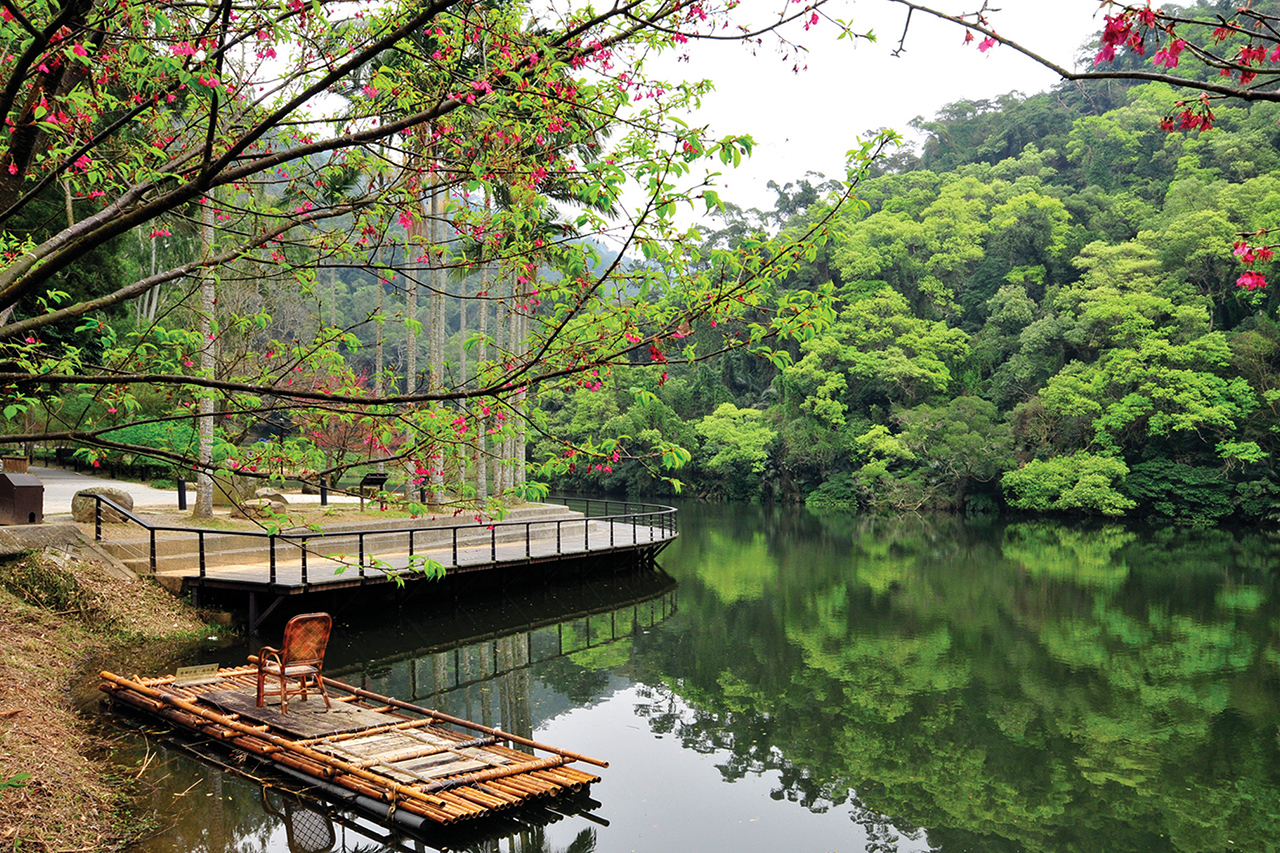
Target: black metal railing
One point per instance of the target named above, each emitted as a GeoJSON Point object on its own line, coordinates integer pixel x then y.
{"type": "Point", "coordinates": [646, 524]}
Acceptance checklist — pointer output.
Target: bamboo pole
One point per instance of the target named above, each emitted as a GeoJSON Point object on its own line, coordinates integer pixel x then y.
{"type": "Point", "coordinates": [496, 773]}
{"type": "Point", "coordinates": [395, 788]}
{"type": "Point", "coordinates": [435, 799]}
{"type": "Point", "coordinates": [309, 768]}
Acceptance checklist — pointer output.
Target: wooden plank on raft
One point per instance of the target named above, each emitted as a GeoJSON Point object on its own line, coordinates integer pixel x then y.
{"type": "Point", "coordinates": [306, 719]}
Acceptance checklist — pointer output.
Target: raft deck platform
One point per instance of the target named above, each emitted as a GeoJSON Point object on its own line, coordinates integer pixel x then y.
{"type": "Point", "coordinates": [374, 752]}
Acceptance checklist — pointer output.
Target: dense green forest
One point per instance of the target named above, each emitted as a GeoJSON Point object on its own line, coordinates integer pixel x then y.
{"type": "Point", "coordinates": [1037, 310]}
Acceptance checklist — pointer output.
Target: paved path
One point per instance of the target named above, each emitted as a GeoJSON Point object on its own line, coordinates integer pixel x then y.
{"type": "Point", "coordinates": [60, 486]}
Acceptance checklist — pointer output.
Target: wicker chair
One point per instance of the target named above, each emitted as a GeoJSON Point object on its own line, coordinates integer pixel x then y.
{"type": "Point", "coordinates": [295, 668]}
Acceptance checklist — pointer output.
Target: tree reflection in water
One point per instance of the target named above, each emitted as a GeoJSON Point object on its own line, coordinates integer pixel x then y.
{"type": "Point", "coordinates": [1025, 687]}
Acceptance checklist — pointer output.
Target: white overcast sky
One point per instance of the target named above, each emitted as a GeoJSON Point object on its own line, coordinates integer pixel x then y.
{"type": "Point", "coordinates": [807, 122]}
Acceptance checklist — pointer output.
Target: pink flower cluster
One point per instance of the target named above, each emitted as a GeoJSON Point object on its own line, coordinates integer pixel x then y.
{"type": "Point", "coordinates": [1168, 55]}
{"type": "Point", "coordinates": [1120, 32]}
{"type": "Point", "coordinates": [1252, 281]}
{"type": "Point", "coordinates": [1250, 255]}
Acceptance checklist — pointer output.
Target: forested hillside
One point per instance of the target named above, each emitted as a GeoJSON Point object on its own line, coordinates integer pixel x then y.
{"type": "Point", "coordinates": [1038, 309]}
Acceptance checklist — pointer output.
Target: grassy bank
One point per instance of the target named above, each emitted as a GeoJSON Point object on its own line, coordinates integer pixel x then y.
{"type": "Point", "coordinates": [61, 617]}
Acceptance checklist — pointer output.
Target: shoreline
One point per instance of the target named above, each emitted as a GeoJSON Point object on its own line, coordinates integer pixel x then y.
{"type": "Point", "coordinates": [63, 612]}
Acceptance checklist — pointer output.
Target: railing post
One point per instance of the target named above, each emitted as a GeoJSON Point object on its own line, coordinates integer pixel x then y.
{"type": "Point", "coordinates": [304, 559]}
{"type": "Point", "coordinates": [493, 543]}
{"type": "Point", "coordinates": [360, 537]}
{"type": "Point", "coordinates": [606, 512]}
{"type": "Point", "coordinates": [153, 550]}
{"type": "Point", "coordinates": [182, 491]}
{"type": "Point", "coordinates": [271, 547]}
{"type": "Point", "coordinates": [200, 545]}
{"type": "Point", "coordinates": [324, 491]}
{"type": "Point", "coordinates": [559, 523]}
{"type": "Point", "coordinates": [455, 547]}
{"type": "Point", "coordinates": [411, 546]}
{"type": "Point", "coordinates": [97, 518]}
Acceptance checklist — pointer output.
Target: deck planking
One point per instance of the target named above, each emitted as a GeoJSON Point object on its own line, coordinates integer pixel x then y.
{"type": "Point", "coordinates": [307, 718]}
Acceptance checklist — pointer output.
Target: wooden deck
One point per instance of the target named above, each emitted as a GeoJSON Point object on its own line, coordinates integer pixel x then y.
{"type": "Point", "coordinates": [310, 565]}
{"type": "Point", "coordinates": [268, 568]}
{"type": "Point", "coordinates": [389, 755]}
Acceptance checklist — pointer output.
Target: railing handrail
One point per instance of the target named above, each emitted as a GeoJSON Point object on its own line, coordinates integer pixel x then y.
{"type": "Point", "coordinates": [656, 514]}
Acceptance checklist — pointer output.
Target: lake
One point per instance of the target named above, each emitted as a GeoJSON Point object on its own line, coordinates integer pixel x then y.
{"type": "Point", "coordinates": [825, 682]}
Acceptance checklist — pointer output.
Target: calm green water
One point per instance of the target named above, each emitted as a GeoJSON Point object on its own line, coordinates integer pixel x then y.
{"type": "Point", "coordinates": [799, 682]}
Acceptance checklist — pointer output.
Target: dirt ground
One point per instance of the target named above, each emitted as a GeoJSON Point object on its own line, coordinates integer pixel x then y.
{"type": "Point", "coordinates": [60, 615]}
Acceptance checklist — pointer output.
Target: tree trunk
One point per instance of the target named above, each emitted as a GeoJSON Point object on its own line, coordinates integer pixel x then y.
{"type": "Point", "coordinates": [413, 275]}
{"type": "Point", "coordinates": [204, 477]}
{"type": "Point", "coordinates": [435, 315]}
{"type": "Point", "coordinates": [526, 351]}
{"type": "Point", "coordinates": [378, 367]}
{"type": "Point", "coordinates": [482, 354]}
{"type": "Point", "coordinates": [501, 346]}
{"type": "Point", "coordinates": [151, 303]}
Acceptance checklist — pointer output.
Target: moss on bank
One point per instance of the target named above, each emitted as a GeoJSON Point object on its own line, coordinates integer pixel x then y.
{"type": "Point", "coordinates": [62, 615]}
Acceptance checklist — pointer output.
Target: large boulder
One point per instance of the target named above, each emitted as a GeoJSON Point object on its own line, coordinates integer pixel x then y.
{"type": "Point", "coordinates": [83, 506]}
{"type": "Point", "coordinates": [272, 494]}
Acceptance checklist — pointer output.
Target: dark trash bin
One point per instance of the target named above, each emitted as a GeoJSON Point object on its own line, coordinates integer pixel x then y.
{"type": "Point", "coordinates": [374, 480]}
{"type": "Point", "coordinates": [21, 493]}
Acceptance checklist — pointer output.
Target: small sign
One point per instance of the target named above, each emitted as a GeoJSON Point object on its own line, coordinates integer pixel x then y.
{"type": "Point", "coordinates": [204, 673]}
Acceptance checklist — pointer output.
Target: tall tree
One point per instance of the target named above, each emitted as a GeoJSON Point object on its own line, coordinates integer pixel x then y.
{"type": "Point", "coordinates": [141, 113]}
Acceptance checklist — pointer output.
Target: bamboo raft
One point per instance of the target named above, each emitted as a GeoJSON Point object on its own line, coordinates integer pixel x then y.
{"type": "Point", "coordinates": [387, 756]}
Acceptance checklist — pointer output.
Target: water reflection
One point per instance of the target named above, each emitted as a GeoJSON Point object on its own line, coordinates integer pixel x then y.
{"type": "Point", "coordinates": [1029, 687]}
{"type": "Point", "coordinates": [841, 683]}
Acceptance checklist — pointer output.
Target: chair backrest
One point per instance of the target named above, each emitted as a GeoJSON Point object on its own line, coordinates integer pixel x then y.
{"type": "Point", "coordinates": [305, 637]}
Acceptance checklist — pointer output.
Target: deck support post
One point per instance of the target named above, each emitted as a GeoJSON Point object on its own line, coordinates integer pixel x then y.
{"type": "Point", "coordinates": [255, 618]}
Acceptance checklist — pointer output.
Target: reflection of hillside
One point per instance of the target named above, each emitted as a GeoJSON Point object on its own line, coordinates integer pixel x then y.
{"type": "Point", "coordinates": [1033, 687]}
